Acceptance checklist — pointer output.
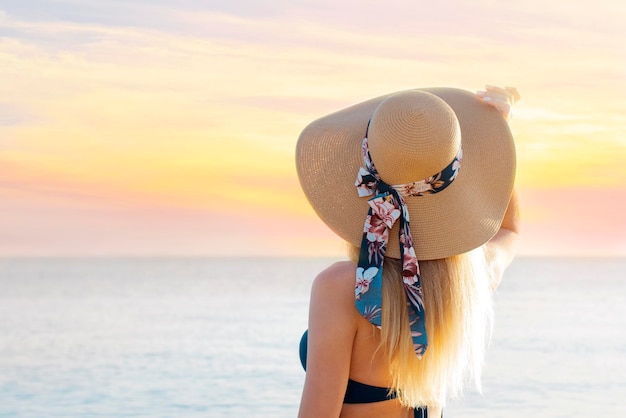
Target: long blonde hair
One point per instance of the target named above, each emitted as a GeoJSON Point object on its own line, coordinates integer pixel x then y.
{"type": "Point", "coordinates": [458, 307]}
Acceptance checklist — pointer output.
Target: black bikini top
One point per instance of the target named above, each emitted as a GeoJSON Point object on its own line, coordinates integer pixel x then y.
{"type": "Point", "coordinates": [356, 392]}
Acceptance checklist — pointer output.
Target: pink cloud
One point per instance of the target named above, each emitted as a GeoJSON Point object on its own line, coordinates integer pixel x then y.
{"type": "Point", "coordinates": [585, 221]}
{"type": "Point", "coordinates": [75, 225]}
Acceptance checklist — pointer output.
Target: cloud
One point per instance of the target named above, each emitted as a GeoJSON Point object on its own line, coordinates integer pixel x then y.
{"type": "Point", "coordinates": [197, 106]}
{"type": "Point", "coordinates": [12, 114]}
{"type": "Point", "coordinates": [571, 221]}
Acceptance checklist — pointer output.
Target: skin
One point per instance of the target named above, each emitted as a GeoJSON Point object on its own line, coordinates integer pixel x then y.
{"type": "Point", "coordinates": [342, 343]}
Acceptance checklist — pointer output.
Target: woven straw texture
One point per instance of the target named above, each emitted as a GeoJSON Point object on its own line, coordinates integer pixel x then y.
{"type": "Point", "coordinates": [413, 135]}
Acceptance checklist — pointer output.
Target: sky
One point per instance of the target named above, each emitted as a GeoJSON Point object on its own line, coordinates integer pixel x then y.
{"type": "Point", "coordinates": [153, 128]}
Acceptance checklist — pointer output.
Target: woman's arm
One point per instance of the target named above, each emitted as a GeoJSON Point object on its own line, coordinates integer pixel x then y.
{"type": "Point", "coordinates": [332, 328]}
{"type": "Point", "coordinates": [500, 250]}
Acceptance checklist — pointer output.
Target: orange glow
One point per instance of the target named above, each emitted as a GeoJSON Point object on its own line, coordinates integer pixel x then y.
{"type": "Point", "coordinates": [114, 128]}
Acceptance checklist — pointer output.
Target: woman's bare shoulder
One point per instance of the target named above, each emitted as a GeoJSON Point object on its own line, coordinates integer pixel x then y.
{"type": "Point", "coordinates": [337, 273]}
{"type": "Point", "coordinates": [338, 279]}
{"type": "Point", "coordinates": [340, 268]}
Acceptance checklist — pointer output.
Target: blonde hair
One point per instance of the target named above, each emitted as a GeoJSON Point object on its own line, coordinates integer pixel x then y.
{"type": "Point", "coordinates": [458, 311]}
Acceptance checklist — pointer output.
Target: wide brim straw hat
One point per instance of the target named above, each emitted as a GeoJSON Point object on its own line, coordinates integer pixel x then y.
{"type": "Point", "coordinates": [413, 135]}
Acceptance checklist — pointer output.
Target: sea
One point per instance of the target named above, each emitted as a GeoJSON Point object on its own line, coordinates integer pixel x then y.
{"type": "Point", "coordinates": [218, 337]}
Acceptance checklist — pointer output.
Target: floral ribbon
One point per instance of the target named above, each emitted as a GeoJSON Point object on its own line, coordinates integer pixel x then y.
{"type": "Point", "coordinates": [386, 206]}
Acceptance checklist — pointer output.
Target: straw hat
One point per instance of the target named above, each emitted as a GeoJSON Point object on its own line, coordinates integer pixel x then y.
{"type": "Point", "coordinates": [413, 135]}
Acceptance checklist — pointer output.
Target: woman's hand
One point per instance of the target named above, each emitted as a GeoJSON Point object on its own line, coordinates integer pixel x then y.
{"type": "Point", "coordinates": [502, 99]}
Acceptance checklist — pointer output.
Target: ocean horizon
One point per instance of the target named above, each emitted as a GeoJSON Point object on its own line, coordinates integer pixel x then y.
{"type": "Point", "coordinates": [218, 337]}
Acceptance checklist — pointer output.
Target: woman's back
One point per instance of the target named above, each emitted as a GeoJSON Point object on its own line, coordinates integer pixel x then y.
{"type": "Point", "coordinates": [367, 363]}
{"type": "Point", "coordinates": [333, 294]}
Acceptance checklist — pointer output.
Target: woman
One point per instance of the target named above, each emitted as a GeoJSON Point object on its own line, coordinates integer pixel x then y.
{"type": "Point", "coordinates": [390, 336]}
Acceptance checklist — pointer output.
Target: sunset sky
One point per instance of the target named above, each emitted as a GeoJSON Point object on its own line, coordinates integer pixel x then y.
{"type": "Point", "coordinates": [165, 127]}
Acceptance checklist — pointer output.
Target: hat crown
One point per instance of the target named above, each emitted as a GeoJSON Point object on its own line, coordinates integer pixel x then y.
{"type": "Point", "coordinates": [412, 136]}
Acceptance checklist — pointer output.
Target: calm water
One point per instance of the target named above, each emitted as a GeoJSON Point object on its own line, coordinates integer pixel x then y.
{"type": "Point", "coordinates": [219, 338]}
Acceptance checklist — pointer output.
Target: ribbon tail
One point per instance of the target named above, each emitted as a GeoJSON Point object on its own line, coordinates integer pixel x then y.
{"type": "Point", "coordinates": [368, 287]}
{"type": "Point", "coordinates": [415, 297]}
{"type": "Point", "coordinates": [413, 289]}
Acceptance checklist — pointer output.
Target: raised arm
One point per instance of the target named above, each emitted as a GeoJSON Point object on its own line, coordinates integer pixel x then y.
{"type": "Point", "coordinates": [500, 250]}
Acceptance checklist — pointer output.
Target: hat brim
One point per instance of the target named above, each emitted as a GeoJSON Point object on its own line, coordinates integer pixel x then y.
{"type": "Point", "coordinates": [462, 217]}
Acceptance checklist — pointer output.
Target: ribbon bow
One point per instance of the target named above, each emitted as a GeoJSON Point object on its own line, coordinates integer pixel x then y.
{"type": "Point", "coordinates": [385, 207]}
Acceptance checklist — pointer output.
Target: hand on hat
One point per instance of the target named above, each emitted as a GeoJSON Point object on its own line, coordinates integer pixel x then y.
{"type": "Point", "coordinates": [502, 99]}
